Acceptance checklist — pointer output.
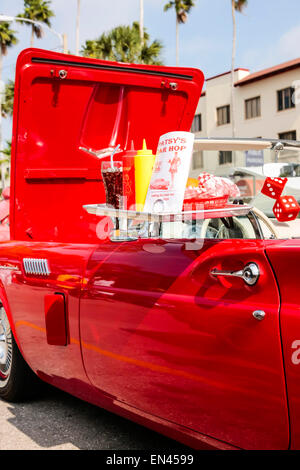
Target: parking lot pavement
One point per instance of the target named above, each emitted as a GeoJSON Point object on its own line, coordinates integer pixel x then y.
{"type": "Point", "coordinates": [59, 421]}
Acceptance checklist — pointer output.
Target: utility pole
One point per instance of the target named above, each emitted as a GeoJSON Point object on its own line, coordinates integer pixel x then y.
{"type": "Point", "coordinates": [77, 27]}
{"type": "Point", "coordinates": [177, 42]}
{"type": "Point", "coordinates": [142, 22]}
{"type": "Point", "coordinates": [232, 110]}
{"type": "Point", "coordinates": [232, 68]}
{"type": "Point", "coordinates": [65, 43]}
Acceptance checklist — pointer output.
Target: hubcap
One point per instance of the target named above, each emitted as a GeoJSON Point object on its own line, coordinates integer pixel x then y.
{"type": "Point", "coordinates": [5, 345]}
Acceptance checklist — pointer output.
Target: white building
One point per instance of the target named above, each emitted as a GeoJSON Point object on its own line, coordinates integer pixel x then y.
{"type": "Point", "coordinates": [265, 106]}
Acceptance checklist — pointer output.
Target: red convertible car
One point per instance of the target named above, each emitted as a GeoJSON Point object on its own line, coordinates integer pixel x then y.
{"type": "Point", "coordinates": [194, 333]}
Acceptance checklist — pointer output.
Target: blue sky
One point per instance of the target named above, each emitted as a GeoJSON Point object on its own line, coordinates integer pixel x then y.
{"type": "Point", "coordinates": [268, 31]}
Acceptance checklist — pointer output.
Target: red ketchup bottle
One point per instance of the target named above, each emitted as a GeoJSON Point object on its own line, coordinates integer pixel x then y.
{"type": "Point", "coordinates": [129, 178]}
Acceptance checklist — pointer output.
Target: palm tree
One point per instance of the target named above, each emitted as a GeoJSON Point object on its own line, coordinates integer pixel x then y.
{"type": "Point", "coordinates": [7, 40]}
{"type": "Point", "coordinates": [5, 162]}
{"type": "Point", "coordinates": [6, 153]}
{"type": "Point", "coordinates": [236, 5]}
{"type": "Point", "coordinates": [182, 8]}
{"type": "Point", "coordinates": [142, 21]}
{"type": "Point", "coordinates": [37, 10]}
{"type": "Point", "coordinates": [123, 44]}
{"type": "Point", "coordinates": [8, 101]}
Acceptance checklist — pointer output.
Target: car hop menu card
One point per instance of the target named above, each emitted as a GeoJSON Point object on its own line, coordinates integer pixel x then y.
{"type": "Point", "coordinates": [170, 172]}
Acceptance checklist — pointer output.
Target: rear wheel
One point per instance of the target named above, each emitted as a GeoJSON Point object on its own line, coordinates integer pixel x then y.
{"type": "Point", "coordinates": [17, 381]}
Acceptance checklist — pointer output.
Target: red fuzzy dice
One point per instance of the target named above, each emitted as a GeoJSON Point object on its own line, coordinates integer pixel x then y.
{"type": "Point", "coordinates": [286, 208]}
{"type": "Point", "coordinates": [273, 187]}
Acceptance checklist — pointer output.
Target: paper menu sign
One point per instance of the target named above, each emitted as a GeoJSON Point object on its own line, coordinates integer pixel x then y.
{"type": "Point", "coordinates": [170, 172]}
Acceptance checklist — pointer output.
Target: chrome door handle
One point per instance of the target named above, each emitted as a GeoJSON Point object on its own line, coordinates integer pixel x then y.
{"type": "Point", "coordinates": [250, 274]}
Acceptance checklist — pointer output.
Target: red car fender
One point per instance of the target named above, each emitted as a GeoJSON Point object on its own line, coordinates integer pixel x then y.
{"type": "Point", "coordinates": [4, 302]}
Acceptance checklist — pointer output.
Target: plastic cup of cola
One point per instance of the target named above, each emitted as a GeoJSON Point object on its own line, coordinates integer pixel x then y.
{"type": "Point", "coordinates": [112, 174]}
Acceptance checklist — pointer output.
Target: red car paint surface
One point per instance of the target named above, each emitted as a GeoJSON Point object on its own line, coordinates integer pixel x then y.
{"type": "Point", "coordinates": [149, 333]}
{"type": "Point", "coordinates": [284, 258]}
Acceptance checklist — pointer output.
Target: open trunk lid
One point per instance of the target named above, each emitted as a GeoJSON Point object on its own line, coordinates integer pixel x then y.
{"type": "Point", "coordinates": [64, 104]}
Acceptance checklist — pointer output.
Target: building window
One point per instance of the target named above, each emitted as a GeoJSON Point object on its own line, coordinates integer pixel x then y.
{"type": "Point", "coordinates": [285, 99]}
{"type": "Point", "coordinates": [197, 123]}
{"type": "Point", "coordinates": [225, 157]}
{"type": "Point", "coordinates": [252, 107]}
{"type": "Point", "coordinates": [223, 115]}
{"type": "Point", "coordinates": [197, 160]}
{"type": "Point", "coordinates": [290, 135]}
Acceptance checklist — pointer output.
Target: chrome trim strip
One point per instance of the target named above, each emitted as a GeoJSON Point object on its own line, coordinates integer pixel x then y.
{"type": "Point", "coordinates": [103, 209]}
{"type": "Point", "coordinates": [47, 267]}
{"type": "Point", "coordinates": [244, 143]}
{"type": "Point", "coordinates": [39, 267]}
{"type": "Point", "coordinates": [9, 268]}
{"type": "Point", "coordinates": [112, 68]}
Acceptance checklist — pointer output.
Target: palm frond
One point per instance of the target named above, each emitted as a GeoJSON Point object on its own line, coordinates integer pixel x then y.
{"type": "Point", "coordinates": [239, 5]}
{"type": "Point", "coordinates": [37, 10]}
{"type": "Point", "coordinates": [7, 37]}
{"type": "Point", "coordinates": [182, 8]}
{"type": "Point", "coordinates": [169, 5]}
{"type": "Point", "coordinates": [123, 44]}
{"type": "Point", "coordinates": [6, 152]}
{"type": "Point", "coordinates": [8, 102]}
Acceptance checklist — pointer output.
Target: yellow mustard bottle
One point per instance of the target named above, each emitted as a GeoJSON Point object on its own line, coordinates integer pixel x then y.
{"type": "Point", "coordinates": [143, 164]}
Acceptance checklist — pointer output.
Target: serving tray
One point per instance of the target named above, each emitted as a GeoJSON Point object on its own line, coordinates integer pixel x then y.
{"type": "Point", "coordinates": [230, 210]}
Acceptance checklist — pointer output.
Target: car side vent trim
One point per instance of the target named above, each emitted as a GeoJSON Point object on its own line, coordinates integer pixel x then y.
{"type": "Point", "coordinates": [36, 266]}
